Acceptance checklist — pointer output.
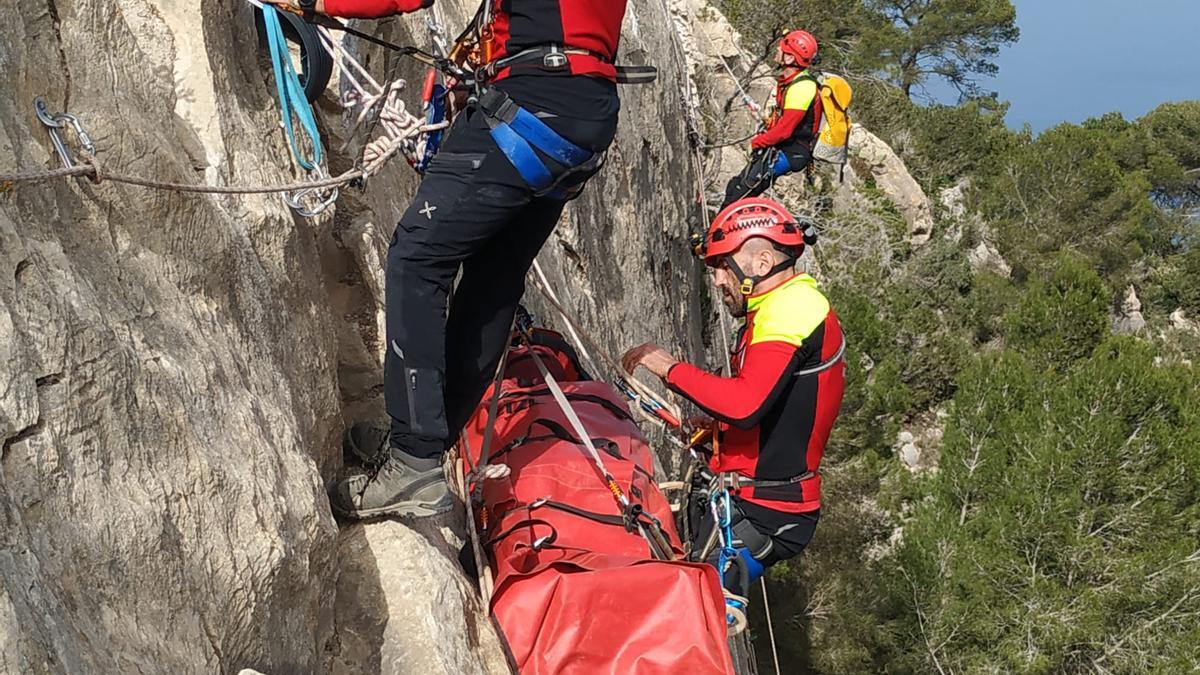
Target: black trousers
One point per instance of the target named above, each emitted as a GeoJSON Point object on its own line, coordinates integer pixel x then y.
{"type": "Point", "coordinates": [769, 536]}
{"type": "Point", "coordinates": [764, 167]}
{"type": "Point", "coordinates": [472, 211]}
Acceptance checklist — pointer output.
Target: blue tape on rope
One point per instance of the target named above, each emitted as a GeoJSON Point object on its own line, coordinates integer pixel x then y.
{"type": "Point", "coordinates": [292, 102]}
{"type": "Point", "coordinates": [433, 140]}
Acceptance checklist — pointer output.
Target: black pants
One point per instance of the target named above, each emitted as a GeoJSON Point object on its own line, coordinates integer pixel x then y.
{"type": "Point", "coordinates": [472, 211]}
{"type": "Point", "coordinates": [765, 166]}
{"type": "Point", "coordinates": [770, 536]}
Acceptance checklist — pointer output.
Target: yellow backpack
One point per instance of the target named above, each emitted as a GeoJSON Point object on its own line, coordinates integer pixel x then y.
{"type": "Point", "coordinates": [834, 137]}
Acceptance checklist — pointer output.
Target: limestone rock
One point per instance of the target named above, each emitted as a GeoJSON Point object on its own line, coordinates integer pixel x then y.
{"type": "Point", "coordinates": [177, 368]}
{"type": "Point", "coordinates": [1180, 321]}
{"type": "Point", "coordinates": [919, 449]}
{"type": "Point", "coordinates": [1130, 319]}
{"type": "Point", "coordinates": [892, 177]}
{"type": "Point", "coordinates": [985, 257]}
{"type": "Point", "coordinates": [401, 598]}
{"type": "Point", "coordinates": [953, 199]}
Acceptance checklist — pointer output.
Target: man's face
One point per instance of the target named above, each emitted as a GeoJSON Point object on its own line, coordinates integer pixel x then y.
{"type": "Point", "coordinates": [730, 287]}
{"type": "Point", "coordinates": [781, 58]}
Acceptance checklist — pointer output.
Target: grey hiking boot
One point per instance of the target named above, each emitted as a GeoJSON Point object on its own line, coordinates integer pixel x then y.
{"type": "Point", "coordinates": [366, 442]}
{"type": "Point", "coordinates": [401, 486]}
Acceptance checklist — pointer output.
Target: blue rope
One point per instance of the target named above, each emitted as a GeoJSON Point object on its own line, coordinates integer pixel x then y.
{"type": "Point", "coordinates": [292, 102]}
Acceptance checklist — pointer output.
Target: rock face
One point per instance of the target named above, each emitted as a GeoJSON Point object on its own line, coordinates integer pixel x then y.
{"type": "Point", "coordinates": [1180, 321]}
{"type": "Point", "coordinates": [985, 257]}
{"type": "Point", "coordinates": [1130, 319]}
{"type": "Point", "coordinates": [403, 606]}
{"type": "Point", "coordinates": [889, 174]}
{"type": "Point", "coordinates": [177, 368]}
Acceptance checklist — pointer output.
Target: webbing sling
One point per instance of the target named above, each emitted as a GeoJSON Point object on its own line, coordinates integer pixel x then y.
{"type": "Point", "coordinates": [554, 58]}
{"type": "Point", "coordinates": [660, 548]}
{"type": "Point", "coordinates": [517, 132]}
{"type": "Point", "coordinates": [293, 104]}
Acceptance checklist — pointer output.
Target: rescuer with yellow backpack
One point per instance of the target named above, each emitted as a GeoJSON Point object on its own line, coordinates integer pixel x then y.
{"type": "Point", "coordinates": [808, 120]}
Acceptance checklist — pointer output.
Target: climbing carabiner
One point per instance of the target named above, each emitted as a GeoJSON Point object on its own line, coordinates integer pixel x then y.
{"type": "Point", "coordinates": [323, 201]}
{"type": "Point", "coordinates": [56, 121]}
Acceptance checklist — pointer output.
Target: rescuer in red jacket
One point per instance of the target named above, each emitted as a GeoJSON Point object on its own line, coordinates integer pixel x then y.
{"type": "Point", "coordinates": [546, 112]}
{"type": "Point", "coordinates": [786, 145]}
{"type": "Point", "coordinates": [774, 413]}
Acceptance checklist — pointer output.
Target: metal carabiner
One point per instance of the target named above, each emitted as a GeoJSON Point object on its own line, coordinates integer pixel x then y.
{"type": "Point", "coordinates": [55, 121]}
{"type": "Point", "coordinates": [323, 203]}
{"type": "Point", "coordinates": [437, 37]}
{"type": "Point", "coordinates": [80, 132]}
{"type": "Point", "coordinates": [52, 126]}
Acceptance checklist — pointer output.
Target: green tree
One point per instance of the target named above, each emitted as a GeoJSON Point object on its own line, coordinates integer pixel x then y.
{"type": "Point", "coordinates": [762, 21]}
{"type": "Point", "coordinates": [955, 40]}
{"type": "Point", "coordinates": [1082, 188]}
{"type": "Point", "coordinates": [1061, 533]}
{"type": "Point", "coordinates": [1061, 319]}
{"type": "Point", "coordinates": [1176, 126]}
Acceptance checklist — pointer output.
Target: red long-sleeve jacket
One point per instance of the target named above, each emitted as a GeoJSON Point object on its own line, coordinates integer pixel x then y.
{"type": "Point", "coordinates": [590, 27]}
{"type": "Point", "coordinates": [796, 122]}
{"type": "Point", "coordinates": [372, 9]}
{"type": "Point", "coordinates": [774, 419]}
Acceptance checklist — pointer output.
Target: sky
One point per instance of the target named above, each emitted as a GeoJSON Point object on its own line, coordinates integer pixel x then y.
{"type": "Point", "coordinates": [1082, 58]}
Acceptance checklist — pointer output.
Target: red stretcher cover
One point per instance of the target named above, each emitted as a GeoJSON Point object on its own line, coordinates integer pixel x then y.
{"type": "Point", "coordinates": [575, 594]}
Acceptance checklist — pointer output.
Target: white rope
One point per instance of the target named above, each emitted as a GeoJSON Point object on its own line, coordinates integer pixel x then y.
{"type": "Point", "coordinates": [749, 102]}
{"type": "Point", "coordinates": [770, 624]}
{"type": "Point", "coordinates": [634, 383]}
{"type": "Point", "coordinates": [486, 585]}
{"type": "Point", "coordinates": [403, 131]}
{"type": "Point", "coordinates": [583, 351]}
{"type": "Point", "coordinates": [577, 425]}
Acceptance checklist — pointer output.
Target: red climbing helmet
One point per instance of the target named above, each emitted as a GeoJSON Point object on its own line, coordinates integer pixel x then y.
{"type": "Point", "coordinates": [749, 218]}
{"type": "Point", "coordinates": [801, 45]}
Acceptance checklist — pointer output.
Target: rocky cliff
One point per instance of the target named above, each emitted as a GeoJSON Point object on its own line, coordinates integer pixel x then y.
{"type": "Point", "coordinates": [176, 369]}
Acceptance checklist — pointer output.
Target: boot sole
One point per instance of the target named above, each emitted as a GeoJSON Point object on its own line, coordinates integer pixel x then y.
{"type": "Point", "coordinates": [402, 510]}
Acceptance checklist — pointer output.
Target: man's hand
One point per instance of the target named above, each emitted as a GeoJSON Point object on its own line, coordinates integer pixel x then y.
{"type": "Point", "coordinates": [654, 358]}
{"type": "Point", "coordinates": [294, 5]}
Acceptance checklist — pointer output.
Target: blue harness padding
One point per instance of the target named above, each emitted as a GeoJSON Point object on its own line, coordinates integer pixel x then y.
{"type": "Point", "coordinates": [521, 154]}
{"type": "Point", "coordinates": [292, 102]}
{"type": "Point", "coordinates": [782, 165]}
{"type": "Point", "coordinates": [753, 566]}
{"type": "Point", "coordinates": [433, 140]}
{"type": "Point", "coordinates": [517, 132]}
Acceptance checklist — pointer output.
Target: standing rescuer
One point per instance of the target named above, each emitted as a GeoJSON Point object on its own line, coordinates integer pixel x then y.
{"type": "Point", "coordinates": [773, 415]}
{"type": "Point", "coordinates": [787, 143]}
{"type": "Point", "coordinates": [545, 112]}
